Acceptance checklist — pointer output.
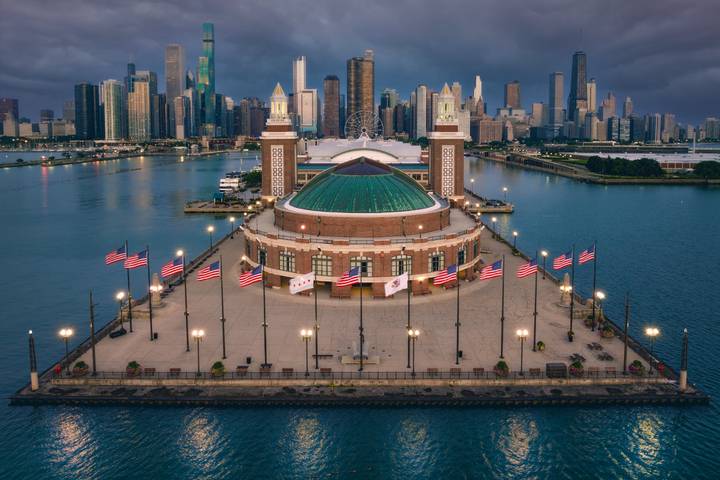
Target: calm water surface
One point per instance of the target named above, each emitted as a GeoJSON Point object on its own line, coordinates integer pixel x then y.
{"type": "Point", "coordinates": [660, 243]}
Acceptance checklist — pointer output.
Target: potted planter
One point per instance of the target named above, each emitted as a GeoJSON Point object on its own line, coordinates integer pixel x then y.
{"type": "Point", "coordinates": [217, 369]}
{"type": "Point", "coordinates": [576, 369]}
{"type": "Point", "coordinates": [133, 369]}
{"type": "Point", "coordinates": [80, 369]}
{"type": "Point", "coordinates": [501, 369]}
{"type": "Point", "coordinates": [636, 368]}
{"type": "Point", "coordinates": [540, 346]}
{"type": "Point", "coordinates": [607, 332]}
{"type": "Point", "coordinates": [570, 335]}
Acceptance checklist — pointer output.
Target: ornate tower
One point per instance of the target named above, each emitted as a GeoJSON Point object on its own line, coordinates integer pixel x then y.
{"type": "Point", "coordinates": [447, 149]}
{"type": "Point", "coordinates": [279, 149]}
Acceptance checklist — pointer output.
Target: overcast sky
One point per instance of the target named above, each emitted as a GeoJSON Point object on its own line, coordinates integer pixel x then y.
{"type": "Point", "coordinates": [665, 54]}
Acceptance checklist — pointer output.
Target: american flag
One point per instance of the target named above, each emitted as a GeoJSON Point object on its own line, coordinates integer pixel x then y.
{"type": "Point", "coordinates": [527, 269]}
{"type": "Point", "coordinates": [209, 272]}
{"type": "Point", "coordinates": [253, 276]}
{"type": "Point", "coordinates": [564, 260]}
{"type": "Point", "coordinates": [351, 277]}
{"type": "Point", "coordinates": [492, 271]}
{"type": "Point", "coordinates": [139, 259]}
{"type": "Point", "coordinates": [173, 267]}
{"type": "Point", "coordinates": [115, 256]}
{"type": "Point", "coordinates": [446, 276]}
{"type": "Point", "coordinates": [587, 255]}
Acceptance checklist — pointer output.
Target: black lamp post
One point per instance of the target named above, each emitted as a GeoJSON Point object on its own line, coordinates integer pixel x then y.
{"type": "Point", "coordinates": [544, 254]}
{"type": "Point", "coordinates": [232, 226]}
{"type": "Point", "coordinates": [413, 334]}
{"type": "Point", "coordinates": [652, 332]}
{"type": "Point", "coordinates": [522, 334]}
{"type": "Point", "coordinates": [66, 333]}
{"type": "Point", "coordinates": [210, 230]}
{"type": "Point", "coordinates": [198, 336]}
{"type": "Point", "coordinates": [306, 334]}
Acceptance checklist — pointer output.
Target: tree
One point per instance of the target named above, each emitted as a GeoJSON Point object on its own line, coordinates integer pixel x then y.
{"type": "Point", "coordinates": [707, 169]}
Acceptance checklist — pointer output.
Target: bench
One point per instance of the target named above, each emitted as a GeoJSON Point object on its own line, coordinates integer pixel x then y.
{"type": "Point", "coordinates": [149, 371]}
{"type": "Point", "coordinates": [287, 372]}
{"type": "Point", "coordinates": [241, 370]}
{"type": "Point", "coordinates": [593, 371]}
{"type": "Point", "coordinates": [455, 372]}
{"type": "Point", "coordinates": [535, 372]}
{"type": "Point", "coordinates": [432, 372]}
{"type": "Point", "coordinates": [610, 371]}
{"type": "Point", "coordinates": [175, 372]}
{"type": "Point", "coordinates": [265, 369]}
{"type": "Point", "coordinates": [478, 372]}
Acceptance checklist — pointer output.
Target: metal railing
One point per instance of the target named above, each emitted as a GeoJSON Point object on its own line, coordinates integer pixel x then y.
{"type": "Point", "coordinates": [355, 375]}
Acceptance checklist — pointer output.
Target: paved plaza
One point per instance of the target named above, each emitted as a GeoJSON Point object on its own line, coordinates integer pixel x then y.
{"type": "Point", "coordinates": [384, 322]}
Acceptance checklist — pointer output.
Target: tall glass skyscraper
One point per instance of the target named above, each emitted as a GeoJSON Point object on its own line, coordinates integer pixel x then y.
{"type": "Point", "coordinates": [113, 93]}
{"type": "Point", "coordinates": [174, 71]}
{"type": "Point", "coordinates": [555, 104]}
{"type": "Point", "coordinates": [206, 79]}
{"type": "Point", "coordinates": [578, 98]}
{"type": "Point", "coordinates": [87, 112]}
{"type": "Point", "coordinates": [361, 84]}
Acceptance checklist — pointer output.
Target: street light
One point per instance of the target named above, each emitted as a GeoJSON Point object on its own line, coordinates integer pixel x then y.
{"type": "Point", "coordinates": [472, 186]}
{"type": "Point", "coordinates": [600, 296]}
{"type": "Point", "coordinates": [119, 296]}
{"type": "Point", "coordinates": [413, 334]}
{"type": "Point", "coordinates": [420, 229]}
{"type": "Point", "coordinates": [544, 254]}
{"type": "Point", "coordinates": [198, 336]}
{"type": "Point", "coordinates": [232, 226]}
{"type": "Point", "coordinates": [181, 254]}
{"type": "Point", "coordinates": [652, 332]}
{"type": "Point", "coordinates": [515, 235]}
{"type": "Point", "coordinates": [494, 221]}
{"type": "Point", "coordinates": [522, 334]}
{"type": "Point", "coordinates": [306, 334]}
{"type": "Point", "coordinates": [505, 192]}
{"type": "Point", "coordinates": [302, 230]}
{"type": "Point", "coordinates": [66, 333]}
{"type": "Point", "coordinates": [210, 230]}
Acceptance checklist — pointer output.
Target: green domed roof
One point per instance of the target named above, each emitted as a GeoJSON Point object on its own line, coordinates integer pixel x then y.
{"type": "Point", "coordinates": [362, 185]}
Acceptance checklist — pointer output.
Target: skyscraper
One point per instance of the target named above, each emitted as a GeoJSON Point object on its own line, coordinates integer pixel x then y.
{"type": "Point", "coordinates": [608, 109]}
{"type": "Point", "coordinates": [113, 93]}
{"type": "Point", "coordinates": [206, 80]}
{"type": "Point", "coordinates": [457, 93]}
{"type": "Point", "coordinates": [139, 112]}
{"type": "Point", "coordinates": [47, 115]}
{"type": "Point", "coordinates": [420, 112]}
{"type": "Point", "coordinates": [361, 84]}
{"type": "Point", "coordinates": [87, 112]}
{"type": "Point", "coordinates": [331, 108]}
{"type": "Point", "coordinates": [512, 94]}
{"type": "Point", "coordinates": [9, 106]}
{"type": "Point", "coordinates": [69, 111]}
{"type": "Point", "coordinates": [174, 71]}
{"type": "Point", "coordinates": [555, 104]}
{"type": "Point", "coordinates": [627, 107]}
{"type": "Point", "coordinates": [578, 98]}
{"type": "Point", "coordinates": [299, 74]}
{"type": "Point", "coordinates": [159, 113]}
{"type": "Point", "coordinates": [477, 91]}
{"type": "Point", "coordinates": [592, 95]}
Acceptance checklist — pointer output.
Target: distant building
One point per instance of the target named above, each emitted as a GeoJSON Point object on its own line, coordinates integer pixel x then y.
{"type": "Point", "coordinates": [174, 71]}
{"type": "Point", "coordinates": [512, 94]}
{"type": "Point", "coordinates": [486, 130]}
{"type": "Point", "coordinates": [299, 75]}
{"type": "Point", "coordinates": [9, 106]}
{"type": "Point", "coordinates": [159, 110]}
{"type": "Point", "coordinates": [457, 95]}
{"type": "Point", "coordinates": [69, 111]}
{"type": "Point", "coordinates": [536, 114]}
{"type": "Point", "coordinates": [206, 81]}
{"type": "Point", "coordinates": [139, 126]}
{"type": "Point", "coordinates": [624, 128]}
{"type": "Point", "coordinates": [555, 105]}
{"type": "Point", "coordinates": [331, 106]}
{"type": "Point", "coordinates": [627, 107]}
{"type": "Point", "coordinates": [654, 128]}
{"type": "Point", "coordinates": [668, 127]}
{"type": "Point", "coordinates": [361, 84]}
{"type": "Point", "coordinates": [87, 112]}
{"type": "Point", "coordinates": [608, 109]}
{"type": "Point", "coordinates": [113, 92]}
{"type": "Point", "coordinates": [420, 112]}
{"type": "Point", "coordinates": [578, 98]}
{"type": "Point", "coordinates": [47, 115]}
{"type": "Point", "coordinates": [592, 96]}
{"type": "Point", "coordinates": [711, 126]}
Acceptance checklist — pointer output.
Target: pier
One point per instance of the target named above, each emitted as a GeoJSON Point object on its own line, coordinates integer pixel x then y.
{"type": "Point", "coordinates": [169, 374]}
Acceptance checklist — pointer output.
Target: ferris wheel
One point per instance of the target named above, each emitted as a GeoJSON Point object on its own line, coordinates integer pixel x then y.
{"type": "Point", "coordinates": [363, 124]}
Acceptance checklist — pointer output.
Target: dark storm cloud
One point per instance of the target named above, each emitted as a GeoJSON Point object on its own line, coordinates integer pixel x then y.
{"type": "Point", "coordinates": [663, 53]}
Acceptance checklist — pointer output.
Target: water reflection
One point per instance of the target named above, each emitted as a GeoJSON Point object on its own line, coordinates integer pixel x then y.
{"type": "Point", "coordinates": [202, 442]}
{"type": "Point", "coordinates": [72, 445]}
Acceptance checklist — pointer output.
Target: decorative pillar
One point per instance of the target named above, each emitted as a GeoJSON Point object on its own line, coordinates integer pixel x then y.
{"type": "Point", "coordinates": [279, 150]}
{"type": "Point", "coordinates": [447, 151]}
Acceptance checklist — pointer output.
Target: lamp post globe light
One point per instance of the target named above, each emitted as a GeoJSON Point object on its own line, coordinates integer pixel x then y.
{"type": "Point", "coordinates": [544, 254]}
{"type": "Point", "coordinates": [198, 335]}
{"type": "Point", "coordinates": [302, 230]}
{"type": "Point", "coordinates": [599, 297]}
{"type": "Point", "coordinates": [413, 333]}
{"type": "Point", "coordinates": [494, 228]}
{"type": "Point", "coordinates": [120, 296]}
{"type": "Point", "coordinates": [505, 193]}
{"type": "Point", "coordinates": [420, 229]}
{"type": "Point", "coordinates": [210, 230]}
{"type": "Point", "coordinates": [232, 226]}
{"type": "Point", "coordinates": [515, 235]}
{"type": "Point", "coordinates": [652, 332]}
{"type": "Point", "coordinates": [472, 185]}
{"type": "Point", "coordinates": [65, 334]}
{"type": "Point", "coordinates": [306, 334]}
{"type": "Point", "coordinates": [522, 334]}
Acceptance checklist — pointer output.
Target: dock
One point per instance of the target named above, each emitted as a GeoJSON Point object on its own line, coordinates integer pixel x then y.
{"type": "Point", "coordinates": [169, 374]}
{"type": "Point", "coordinates": [479, 205]}
{"type": "Point", "coordinates": [201, 206]}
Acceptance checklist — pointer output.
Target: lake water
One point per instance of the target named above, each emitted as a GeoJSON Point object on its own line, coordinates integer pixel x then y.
{"type": "Point", "coordinates": [659, 243]}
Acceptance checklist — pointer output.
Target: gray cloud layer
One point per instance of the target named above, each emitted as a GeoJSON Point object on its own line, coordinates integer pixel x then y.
{"type": "Point", "coordinates": [663, 53]}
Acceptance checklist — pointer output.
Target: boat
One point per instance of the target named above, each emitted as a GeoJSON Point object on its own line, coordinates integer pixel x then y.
{"type": "Point", "coordinates": [231, 183]}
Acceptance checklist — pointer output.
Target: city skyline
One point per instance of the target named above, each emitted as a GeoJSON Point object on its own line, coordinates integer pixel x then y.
{"type": "Point", "coordinates": [638, 62]}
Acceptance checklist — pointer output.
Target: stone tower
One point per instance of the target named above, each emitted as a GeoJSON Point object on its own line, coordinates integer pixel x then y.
{"type": "Point", "coordinates": [447, 149]}
{"type": "Point", "coordinates": [279, 149]}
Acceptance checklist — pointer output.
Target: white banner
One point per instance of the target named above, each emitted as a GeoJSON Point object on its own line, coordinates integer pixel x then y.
{"type": "Point", "coordinates": [302, 283]}
{"type": "Point", "coordinates": [396, 284]}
